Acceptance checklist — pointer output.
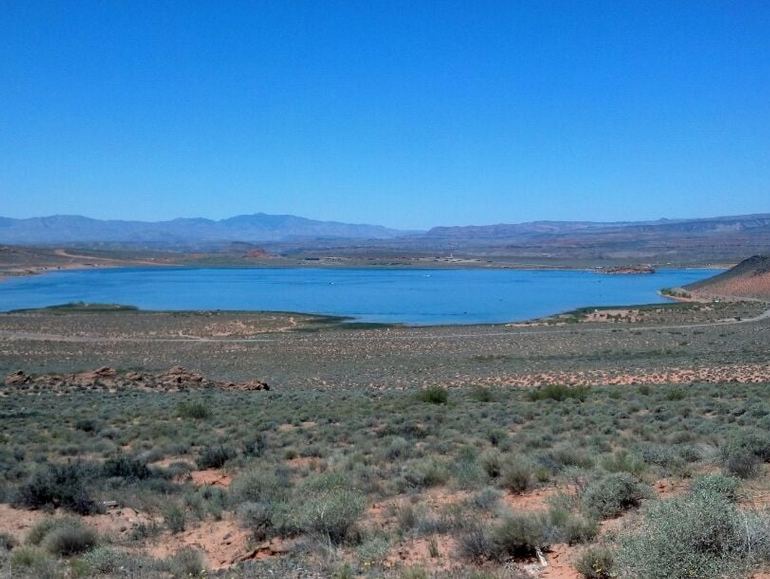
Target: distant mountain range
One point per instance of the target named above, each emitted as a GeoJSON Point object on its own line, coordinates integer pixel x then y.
{"type": "Point", "coordinates": [551, 228]}
{"type": "Point", "coordinates": [259, 227]}
{"type": "Point", "coordinates": [718, 239]}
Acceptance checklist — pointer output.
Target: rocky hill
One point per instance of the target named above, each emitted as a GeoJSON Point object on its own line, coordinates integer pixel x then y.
{"type": "Point", "coordinates": [749, 279]}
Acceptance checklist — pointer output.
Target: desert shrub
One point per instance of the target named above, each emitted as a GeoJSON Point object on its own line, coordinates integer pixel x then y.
{"type": "Point", "coordinates": [406, 516]}
{"type": "Point", "coordinates": [468, 474]}
{"type": "Point", "coordinates": [186, 562]}
{"type": "Point", "coordinates": [258, 485]}
{"type": "Point", "coordinates": [572, 528]}
{"type": "Point", "coordinates": [206, 500]}
{"type": "Point", "coordinates": [412, 573]}
{"type": "Point", "coordinates": [520, 535]}
{"type": "Point", "coordinates": [257, 517]}
{"type": "Point", "coordinates": [70, 539]}
{"type": "Point", "coordinates": [517, 474]}
{"type": "Point", "coordinates": [660, 455]}
{"type": "Point", "coordinates": [57, 486]}
{"type": "Point", "coordinates": [175, 518]}
{"type": "Point", "coordinates": [475, 542]}
{"type": "Point", "coordinates": [726, 486]}
{"type": "Point", "coordinates": [215, 456]}
{"type": "Point", "coordinates": [38, 532]}
{"type": "Point", "coordinates": [434, 395]}
{"type": "Point", "coordinates": [596, 562]}
{"type": "Point", "coordinates": [144, 531]}
{"type": "Point", "coordinates": [255, 446]}
{"type": "Point", "coordinates": [112, 562]}
{"type": "Point", "coordinates": [757, 541]}
{"type": "Point", "coordinates": [623, 461]}
{"type": "Point", "coordinates": [486, 499]}
{"type": "Point", "coordinates": [373, 551]}
{"type": "Point", "coordinates": [126, 467]}
{"type": "Point", "coordinates": [740, 462]}
{"type": "Point", "coordinates": [7, 542]}
{"type": "Point", "coordinates": [676, 394]}
{"type": "Point", "coordinates": [613, 494]}
{"type": "Point", "coordinates": [497, 436]}
{"type": "Point", "coordinates": [425, 473]}
{"type": "Point", "coordinates": [36, 561]}
{"type": "Point", "coordinates": [86, 425]}
{"type": "Point", "coordinates": [697, 535]}
{"type": "Point", "coordinates": [62, 536]}
{"type": "Point", "coordinates": [193, 409]}
{"type": "Point", "coordinates": [564, 457]}
{"type": "Point", "coordinates": [327, 507]}
{"type": "Point", "coordinates": [559, 393]}
{"type": "Point", "coordinates": [744, 452]}
{"type": "Point", "coordinates": [492, 462]}
{"type": "Point", "coordinates": [482, 394]}
{"type": "Point", "coordinates": [398, 447]}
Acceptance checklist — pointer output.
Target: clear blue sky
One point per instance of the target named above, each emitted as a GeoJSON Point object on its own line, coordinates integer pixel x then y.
{"type": "Point", "coordinates": [409, 114]}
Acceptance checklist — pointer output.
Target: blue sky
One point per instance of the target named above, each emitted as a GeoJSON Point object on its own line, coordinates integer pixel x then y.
{"type": "Point", "coordinates": [409, 114]}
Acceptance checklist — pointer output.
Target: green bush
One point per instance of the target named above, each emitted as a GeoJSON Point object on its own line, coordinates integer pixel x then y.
{"type": "Point", "coordinates": [572, 528]}
{"type": "Point", "coordinates": [70, 539]}
{"type": "Point", "coordinates": [109, 561]}
{"type": "Point", "coordinates": [676, 394]}
{"type": "Point", "coordinates": [86, 425]}
{"type": "Point", "coordinates": [329, 511]}
{"type": "Point", "coordinates": [475, 542]}
{"type": "Point", "coordinates": [596, 562]}
{"type": "Point", "coordinates": [215, 456]}
{"type": "Point", "coordinates": [517, 475]}
{"type": "Point", "coordinates": [126, 467]}
{"type": "Point", "coordinates": [425, 473]}
{"type": "Point", "coordinates": [193, 409]}
{"type": "Point", "coordinates": [257, 517]}
{"type": "Point", "coordinates": [698, 535]}
{"type": "Point", "coordinates": [258, 485]}
{"type": "Point", "coordinates": [520, 535]}
{"type": "Point", "coordinates": [57, 486]}
{"type": "Point", "coordinates": [623, 461]}
{"type": "Point", "coordinates": [482, 394]}
{"type": "Point", "coordinates": [186, 562]}
{"type": "Point", "coordinates": [726, 486]}
{"type": "Point", "coordinates": [175, 518]}
{"type": "Point", "coordinates": [744, 452]}
{"type": "Point", "coordinates": [62, 536]}
{"type": "Point", "coordinates": [559, 393]}
{"type": "Point", "coordinates": [7, 542]}
{"type": "Point", "coordinates": [492, 461]}
{"type": "Point", "coordinates": [434, 395]}
{"type": "Point", "coordinates": [740, 461]}
{"type": "Point", "coordinates": [614, 493]}
{"type": "Point", "coordinates": [36, 561]}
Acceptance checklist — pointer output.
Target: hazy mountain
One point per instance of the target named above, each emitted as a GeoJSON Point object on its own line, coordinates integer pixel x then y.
{"type": "Point", "coordinates": [546, 228]}
{"type": "Point", "coordinates": [661, 241]}
{"type": "Point", "coordinates": [260, 227]}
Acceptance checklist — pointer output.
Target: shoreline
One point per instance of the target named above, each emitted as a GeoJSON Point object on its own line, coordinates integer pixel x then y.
{"type": "Point", "coordinates": [34, 270]}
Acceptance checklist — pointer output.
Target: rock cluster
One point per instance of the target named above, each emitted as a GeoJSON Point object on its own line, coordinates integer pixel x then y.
{"type": "Point", "coordinates": [176, 378]}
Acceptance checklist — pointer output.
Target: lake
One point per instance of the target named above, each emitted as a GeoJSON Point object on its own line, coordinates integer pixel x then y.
{"type": "Point", "coordinates": [409, 296]}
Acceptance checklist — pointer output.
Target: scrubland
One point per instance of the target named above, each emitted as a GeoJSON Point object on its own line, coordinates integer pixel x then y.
{"type": "Point", "coordinates": [459, 476]}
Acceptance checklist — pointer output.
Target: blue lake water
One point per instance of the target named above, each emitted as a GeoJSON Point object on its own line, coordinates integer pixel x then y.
{"type": "Point", "coordinates": [456, 296]}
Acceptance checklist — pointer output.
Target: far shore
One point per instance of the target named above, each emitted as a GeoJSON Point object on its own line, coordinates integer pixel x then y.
{"type": "Point", "coordinates": [335, 263]}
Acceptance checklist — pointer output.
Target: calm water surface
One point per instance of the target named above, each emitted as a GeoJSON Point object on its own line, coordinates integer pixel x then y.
{"type": "Point", "coordinates": [463, 296]}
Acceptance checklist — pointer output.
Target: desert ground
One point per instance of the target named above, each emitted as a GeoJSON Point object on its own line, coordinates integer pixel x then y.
{"type": "Point", "coordinates": [598, 443]}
